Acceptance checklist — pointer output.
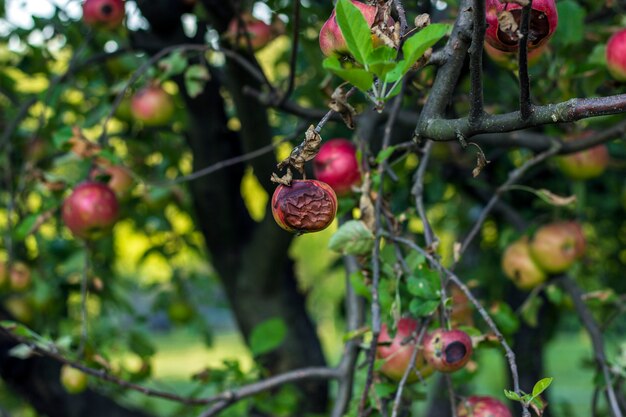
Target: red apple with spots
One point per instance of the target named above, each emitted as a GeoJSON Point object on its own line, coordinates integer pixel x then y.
{"type": "Point", "coordinates": [556, 246]}
{"type": "Point", "coordinates": [91, 210]}
{"type": "Point", "coordinates": [544, 20]}
{"type": "Point", "coordinates": [397, 351]}
{"type": "Point", "coordinates": [305, 206]}
{"type": "Point", "coordinates": [103, 13]}
{"type": "Point", "coordinates": [152, 105]}
{"type": "Point", "coordinates": [447, 350]}
{"type": "Point", "coordinates": [616, 55]}
{"type": "Point", "coordinates": [476, 406]}
{"type": "Point", "coordinates": [337, 166]}
{"type": "Point", "coordinates": [519, 266]}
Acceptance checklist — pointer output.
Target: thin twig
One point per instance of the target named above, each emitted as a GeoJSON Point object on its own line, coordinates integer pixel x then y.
{"type": "Point", "coordinates": [451, 276]}
{"type": "Point", "coordinates": [514, 176]}
{"type": "Point", "coordinates": [525, 104]}
{"type": "Point", "coordinates": [476, 62]}
{"type": "Point", "coordinates": [294, 53]}
{"type": "Point", "coordinates": [597, 341]}
{"type": "Point", "coordinates": [376, 320]}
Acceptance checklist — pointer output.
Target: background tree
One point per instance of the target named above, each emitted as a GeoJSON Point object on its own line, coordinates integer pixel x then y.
{"type": "Point", "coordinates": [185, 114]}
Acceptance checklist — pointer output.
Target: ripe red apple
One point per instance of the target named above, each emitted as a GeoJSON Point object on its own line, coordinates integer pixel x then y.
{"type": "Point", "coordinates": [556, 246]}
{"type": "Point", "coordinates": [152, 105]}
{"type": "Point", "coordinates": [306, 206]}
{"type": "Point", "coordinates": [105, 13]}
{"type": "Point", "coordinates": [447, 350]}
{"type": "Point", "coordinates": [520, 267]}
{"type": "Point", "coordinates": [73, 380]}
{"type": "Point", "coordinates": [476, 406]}
{"type": "Point", "coordinates": [120, 179]}
{"type": "Point", "coordinates": [331, 39]}
{"type": "Point", "coordinates": [616, 55]}
{"type": "Point", "coordinates": [91, 210]}
{"type": "Point", "coordinates": [337, 166]}
{"type": "Point", "coordinates": [260, 33]}
{"type": "Point", "coordinates": [397, 352]}
{"type": "Point", "coordinates": [543, 22]}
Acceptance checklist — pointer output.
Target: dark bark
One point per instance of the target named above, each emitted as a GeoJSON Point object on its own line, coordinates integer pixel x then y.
{"type": "Point", "coordinates": [251, 258]}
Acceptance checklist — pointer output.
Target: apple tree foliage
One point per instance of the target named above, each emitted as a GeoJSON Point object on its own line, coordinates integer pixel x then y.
{"type": "Point", "coordinates": [460, 157]}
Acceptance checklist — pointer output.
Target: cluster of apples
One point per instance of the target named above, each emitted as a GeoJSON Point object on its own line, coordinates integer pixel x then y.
{"type": "Point", "coordinates": [443, 350]}
{"type": "Point", "coordinates": [553, 249]}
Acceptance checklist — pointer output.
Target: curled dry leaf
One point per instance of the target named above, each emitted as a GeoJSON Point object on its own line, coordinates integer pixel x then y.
{"type": "Point", "coordinates": [554, 199]}
{"type": "Point", "coordinates": [507, 23]}
{"type": "Point", "coordinates": [302, 153]}
{"type": "Point", "coordinates": [339, 103]}
{"type": "Point", "coordinates": [422, 20]}
{"type": "Point", "coordinates": [366, 205]}
{"type": "Point", "coordinates": [481, 161]}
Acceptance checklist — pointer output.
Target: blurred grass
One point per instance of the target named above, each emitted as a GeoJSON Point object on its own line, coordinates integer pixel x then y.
{"type": "Point", "coordinates": [181, 354]}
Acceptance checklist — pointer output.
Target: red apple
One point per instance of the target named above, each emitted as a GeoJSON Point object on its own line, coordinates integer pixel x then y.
{"type": "Point", "coordinates": [556, 246]}
{"type": "Point", "coordinates": [586, 164]}
{"type": "Point", "coordinates": [305, 206]}
{"type": "Point", "coordinates": [461, 313]}
{"type": "Point", "coordinates": [476, 406]}
{"type": "Point", "coordinates": [120, 179]}
{"type": "Point", "coordinates": [447, 350]}
{"type": "Point", "coordinates": [397, 352]}
{"type": "Point", "coordinates": [105, 13]}
{"type": "Point", "coordinates": [337, 166]}
{"type": "Point", "coordinates": [91, 210]}
{"type": "Point", "coordinates": [260, 33]}
{"type": "Point", "coordinates": [520, 267]}
{"type": "Point", "coordinates": [616, 55]}
{"type": "Point", "coordinates": [331, 39]}
{"type": "Point", "coordinates": [73, 380]}
{"type": "Point", "coordinates": [543, 22]}
{"type": "Point", "coordinates": [152, 105]}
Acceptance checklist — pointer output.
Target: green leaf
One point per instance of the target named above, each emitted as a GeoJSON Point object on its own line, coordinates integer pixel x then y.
{"type": "Point", "coordinates": [504, 317]}
{"type": "Point", "coordinates": [139, 342]}
{"type": "Point", "coordinates": [414, 48]}
{"type": "Point", "coordinates": [25, 226]}
{"type": "Point", "coordinates": [384, 154]}
{"type": "Point", "coordinates": [68, 168]}
{"type": "Point", "coordinates": [352, 238]}
{"type": "Point", "coordinates": [541, 386]}
{"type": "Point", "coordinates": [355, 30]}
{"type": "Point", "coordinates": [21, 351]}
{"type": "Point", "coordinates": [360, 288]}
{"type": "Point", "coordinates": [571, 23]}
{"type": "Point", "coordinates": [420, 307]}
{"type": "Point", "coordinates": [196, 78]}
{"type": "Point", "coordinates": [358, 77]}
{"type": "Point", "coordinates": [267, 336]}
{"type": "Point", "coordinates": [530, 311]}
{"type": "Point", "coordinates": [172, 65]}
{"type": "Point", "coordinates": [382, 60]}
{"type": "Point", "coordinates": [512, 395]}
{"type": "Point", "coordinates": [422, 288]}
{"type": "Point", "coordinates": [62, 136]}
